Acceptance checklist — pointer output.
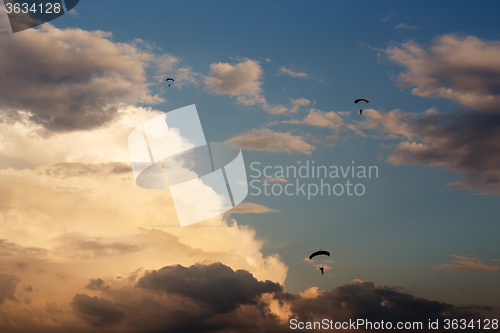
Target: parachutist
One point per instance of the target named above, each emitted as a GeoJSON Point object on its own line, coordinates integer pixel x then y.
{"type": "Point", "coordinates": [361, 99]}
{"type": "Point", "coordinates": [322, 269]}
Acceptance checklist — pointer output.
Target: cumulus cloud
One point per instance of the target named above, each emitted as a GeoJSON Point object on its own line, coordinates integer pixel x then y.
{"type": "Point", "coordinates": [71, 79]}
{"type": "Point", "coordinates": [97, 284]}
{"type": "Point", "coordinates": [269, 140]}
{"type": "Point", "coordinates": [468, 263]}
{"type": "Point", "coordinates": [365, 300]}
{"type": "Point", "coordinates": [463, 69]}
{"type": "Point", "coordinates": [465, 142]}
{"type": "Point", "coordinates": [242, 80]}
{"type": "Point", "coordinates": [103, 148]}
{"type": "Point", "coordinates": [287, 71]}
{"type": "Point", "coordinates": [184, 76]}
{"type": "Point", "coordinates": [96, 311]}
{"type": "Point", "coordinates": [216, 286]}
{"type": "Point", "coordinates": [72, 208]}
{"type": "Point", "coordinates": [213, 297]}
{"type": "Point", "coordinates": [331, 120]}
{"type": "Point", "coordinates": [393, 124]}
{"type": "Point", "coordinates": [298, 103]}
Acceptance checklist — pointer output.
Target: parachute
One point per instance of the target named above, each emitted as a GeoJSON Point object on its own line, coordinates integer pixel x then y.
{"type": "Point", "coordinates": [359, 100]}
{"type": "Point", "coordinates": [318, 253]}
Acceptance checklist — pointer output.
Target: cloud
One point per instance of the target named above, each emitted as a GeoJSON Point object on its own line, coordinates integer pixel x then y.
{"type": "Point", "coordinates": [96, 311]}
{"type": "Point", "coordinates": [8, 284]}
{"type": "Point", "coordinates": [297, 103]}
{"type": "Point", "coordinates": [467, 263]}
{"type": "Point", "coordinates": [214, 297]}
{"type": "Point", "coordinates": [389, 15]}
{"type": "Point", "coordinates": [97, 284]}
{"type": "Point", "coordinates": [103, 149]}
{"type": "Point", "coordinates": [464, 142]}
{"type": "Point", "coordinates": [287, 71]}
{"type": "Point", "coordinates": [268, 140]}
{"type": "Point", "coordinates": [276, 180]}
{"type": "Point", "coordinates": [364, 300]}
{"type": "Point", "coordinates": [8, 248]}
{"type": "Point", "coordinates": [77, 245]}
{"type": "Point", "coordinates": [185, 75]}
{"type": "Point", "coordinates": [64, 170]}
{"type": "Point", "coordinates": [331, 120]}
{"type": "Point", "coordinates": [216, 286]}
{"type": "Point", "coordinates": [405, 26]}
{"type": "Point", "coordinates": [463, 69]}
{"type": "Point", "coordinates": [240, 79]}
{"type": "Point", "coordinates": [394, 124]}
{"type": "Point", "coordinates": [248, 207]}
{"type": "Point", "coordinates": [71, 79]}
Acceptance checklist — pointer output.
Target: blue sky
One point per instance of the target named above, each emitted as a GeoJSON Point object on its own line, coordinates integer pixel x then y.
{"type": "Point", "coordinates": [406, 224]}
{"type": "Point", "coordinates": [409, 223]}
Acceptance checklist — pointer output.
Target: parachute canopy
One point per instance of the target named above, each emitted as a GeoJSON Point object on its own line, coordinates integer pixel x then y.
{"type": "Point", "coordinates": [361, 99]}
{"type": "Point", "coordinates": [169, 79]}
{"type": "Point", "coordinates": [318, 253]}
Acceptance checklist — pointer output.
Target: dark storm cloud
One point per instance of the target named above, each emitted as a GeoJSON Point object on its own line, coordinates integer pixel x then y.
{"type": "Point", "coordinates": [8, 284]}
{"type": "Point", "coordinates": [216, 285]}
{"type": "Point", "coordinates": [215, 298]}
{"type": "Point", "coordinates": [70, 79]}
{"type": "Point", "coordinates": [96, 311]}
{"type": "Point", "coordinates": [364, 300]}
{"type": "Point", "coordinates": [465, 142]}
{"type": "Point", "coordinates": [97, 284]}
{"type": "Point", "coordinates": [465, 70]}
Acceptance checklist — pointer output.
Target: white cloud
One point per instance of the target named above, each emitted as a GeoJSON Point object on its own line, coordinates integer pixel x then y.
{"type": "Point", "coordinates": [297, 103]}
{"type": "Point", "coordinates": [405, 26]}
{"type": "Point", "coordinates": [319, 118]}
{"type": "Point", "coordinates": [287, 71]}
{"type": "Point", "coordinates": [268, 140]}
{"type": "Point", "coordinates": [242, 79]}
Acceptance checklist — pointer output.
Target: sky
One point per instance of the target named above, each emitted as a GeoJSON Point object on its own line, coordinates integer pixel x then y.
{"type": "Point", "coordinates": [83, 248]}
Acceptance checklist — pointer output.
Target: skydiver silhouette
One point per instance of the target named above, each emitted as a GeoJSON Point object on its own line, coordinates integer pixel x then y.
{"type": "Point", "coordinates": [322, 270]}
{"type": "Point", "coordinates": [360, 111]}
